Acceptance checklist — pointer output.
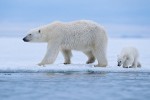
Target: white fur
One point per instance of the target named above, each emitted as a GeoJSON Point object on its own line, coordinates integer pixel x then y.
{"type": "Point", "coordinates": [83, 35]}
{"type": "Point", "coordinates": [129, 57]}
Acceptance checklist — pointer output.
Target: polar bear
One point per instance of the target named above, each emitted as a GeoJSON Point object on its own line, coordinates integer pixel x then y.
{"type": "Point", "coordinates": [83, 35]}
{"type": "Point", "coordinates": [129, 57]}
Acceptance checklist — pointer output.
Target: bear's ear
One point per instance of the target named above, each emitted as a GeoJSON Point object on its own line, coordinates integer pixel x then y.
{"type": "Point", "coordinates": [39, 31]}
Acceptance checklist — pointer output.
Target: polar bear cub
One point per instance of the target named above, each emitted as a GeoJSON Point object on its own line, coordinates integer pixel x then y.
{"type": "Point", "coordinates": [83, 35]}
{"type": "Point", "coordinates": [129, 58]}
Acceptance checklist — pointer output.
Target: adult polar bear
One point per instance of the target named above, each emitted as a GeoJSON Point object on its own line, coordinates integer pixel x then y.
{"type": "Point", "coordinates": [83, 35]}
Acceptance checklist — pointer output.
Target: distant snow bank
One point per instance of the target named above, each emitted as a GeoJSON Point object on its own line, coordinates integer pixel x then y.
{"type": "Point", "coordinates": [20, 57]}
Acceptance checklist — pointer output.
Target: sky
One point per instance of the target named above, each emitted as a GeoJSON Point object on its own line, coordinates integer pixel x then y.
{"type": "Point", "coordinates": [119, 17]}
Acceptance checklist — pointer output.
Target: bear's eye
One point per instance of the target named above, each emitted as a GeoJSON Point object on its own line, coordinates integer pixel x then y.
{"type": "Point", "coordinates": [39, 31]}
{"type": "Point", "coordinates": [119, 61]}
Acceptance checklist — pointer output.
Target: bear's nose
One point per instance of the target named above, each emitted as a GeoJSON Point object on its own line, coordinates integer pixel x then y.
{"type": "Point", "coordinates": [118, 64]}
{"type": "Point", "coordinates": [25, 40]}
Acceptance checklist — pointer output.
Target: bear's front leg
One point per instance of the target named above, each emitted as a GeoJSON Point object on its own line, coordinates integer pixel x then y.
{"type": "Point", "coordinates": [128, 62]}
{"type": "Point", "coordinates": [125, 65]}
{"type": "Point", "coordinates": [50, 56]}
{"type": "Point", "coordinates": [67, 55]}
{"type": "Point", "coordinates": [41, 64]}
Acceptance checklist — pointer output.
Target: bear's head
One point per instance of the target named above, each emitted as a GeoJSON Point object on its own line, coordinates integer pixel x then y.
{"type": "Point", "coordinates": [35, 35]}
{"type": "Point", "coordinates": [44, 33]}
{"type": "Point", "coordinates": [121, 60]}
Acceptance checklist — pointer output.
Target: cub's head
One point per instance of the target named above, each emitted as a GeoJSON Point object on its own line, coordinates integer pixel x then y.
{"type": "Point", "coordinates": [121, 60]}
{"type": "Point", "coordinates": [35, 35]}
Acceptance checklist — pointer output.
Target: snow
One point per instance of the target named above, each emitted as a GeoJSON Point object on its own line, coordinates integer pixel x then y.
{"type": "Point", "coordinates": [20, 57]}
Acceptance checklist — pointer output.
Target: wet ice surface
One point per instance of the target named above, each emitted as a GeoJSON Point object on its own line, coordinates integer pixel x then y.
{"type": "Point", "coordinates": [75, 86]}
{"type": "Point", "coordinates": [21, 78]}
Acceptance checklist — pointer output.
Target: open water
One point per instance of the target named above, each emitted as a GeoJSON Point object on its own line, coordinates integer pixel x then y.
{"type": "Point", "coordinates": [75, 86]}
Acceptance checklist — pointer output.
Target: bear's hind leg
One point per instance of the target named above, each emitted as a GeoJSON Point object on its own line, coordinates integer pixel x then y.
{"type": "Point", "coordinates": [90, 56]}
{"type": "Point", "coordinates": [135, 64]}
{"type": "Point", "coordinates": [67, 56]}
{"type": "Point", "coordinates": [139, 65]}
{"type": "Point", "coordinates": [100, 55]}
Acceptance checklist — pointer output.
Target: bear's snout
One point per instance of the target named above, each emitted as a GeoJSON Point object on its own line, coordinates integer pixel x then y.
{"type": "Point", "coordinates": [25, 39]}
{"type": "Point", "coordinates": [119, 64]}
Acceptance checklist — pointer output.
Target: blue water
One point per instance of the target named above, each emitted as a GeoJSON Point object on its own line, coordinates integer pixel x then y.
{"type": "Point", "coordinates": [74, 86]}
